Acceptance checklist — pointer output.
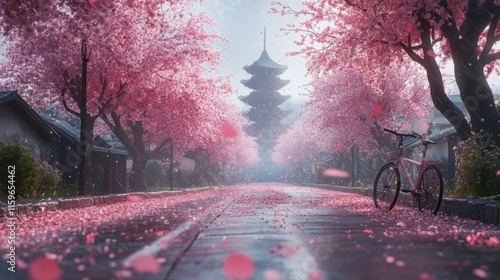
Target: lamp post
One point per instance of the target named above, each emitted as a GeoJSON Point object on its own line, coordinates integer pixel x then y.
{"type": "Point", "coordinates": [171, 167]}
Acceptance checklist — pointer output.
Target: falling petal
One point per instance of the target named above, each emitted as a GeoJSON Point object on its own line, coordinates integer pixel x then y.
{"type": "Point", "coordinates": [238, 266]}
{"type": "Point", "coordinates": [481, 273]}
{"type": "Point", "coordinates": [316, 275]}
{"type": "Point", "coordinates": [378, 110]}
{"type": "Point", "coordinates": [146, 264]}
{"type": "Point", "coordinates": [21, 264]}
{"type": "Point", "coordinates": [44, 269]}
{"type": "Point", "coordinates": [228, 131]}
{"type": "Point", "coordinates": [336, 173]}
{"type": "Point", "coordinates": [424, 126]}
{"type": "Point", "coordinates": [400, 263]}
{"type": "Point", "coordinates": [288, 251]}
{"type": "Point", "coordinates": [271, 274]}
{"type": "Point", "coordinates": [409, 28]}
{"type": "Point", "coordinates": [340, 146]}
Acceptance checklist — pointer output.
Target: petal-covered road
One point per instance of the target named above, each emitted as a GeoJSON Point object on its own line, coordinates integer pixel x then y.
{"type": "Point", "coordinates": [257, 231]}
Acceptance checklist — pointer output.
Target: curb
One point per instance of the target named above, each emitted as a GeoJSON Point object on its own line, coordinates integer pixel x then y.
{"type": "Point", "coordinates": [41, 206]}
{"type": "Point", "coordinates": [485, 210]}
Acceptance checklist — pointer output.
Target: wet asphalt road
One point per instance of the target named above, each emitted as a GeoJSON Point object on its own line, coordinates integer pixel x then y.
{"type": "Point", "coordinates": [288, 232]}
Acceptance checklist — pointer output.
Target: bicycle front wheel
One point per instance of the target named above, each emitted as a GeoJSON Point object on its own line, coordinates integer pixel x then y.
{"type": "Point", "coordinates": [386, 187]}
{"type": "Point", "coordinates": [430, 193]}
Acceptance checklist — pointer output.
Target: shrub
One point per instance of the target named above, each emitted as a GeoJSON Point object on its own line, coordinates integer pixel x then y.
{"type": "Point", "coordinates": [478, 160]}
{"type": "Point", "coordinates": [50, 180]}
{"type": "Point", "coordinates": [31, 178]}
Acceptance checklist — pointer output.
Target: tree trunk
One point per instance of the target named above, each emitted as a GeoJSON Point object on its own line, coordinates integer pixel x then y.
{"type": "Point", "coordinates": [443, 104]}
{"type": "Point", "coordinates": [469, 72]}
{"type": "Point", "coordinates": [478, 100]}
{"type": "Point", "coordinates": [439, 97]}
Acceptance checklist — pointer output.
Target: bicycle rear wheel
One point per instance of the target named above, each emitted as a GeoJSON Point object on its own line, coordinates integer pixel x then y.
{"type": "Point", "coordinates": [386, 187]}
{"type": "Point", "coordinates": [431, 188]}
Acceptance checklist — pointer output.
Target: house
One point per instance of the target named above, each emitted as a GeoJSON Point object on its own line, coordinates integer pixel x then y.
{"type": "Point", "coordinates": [55, 142]}
{"type": "Point", "coordinates": [19, 122]}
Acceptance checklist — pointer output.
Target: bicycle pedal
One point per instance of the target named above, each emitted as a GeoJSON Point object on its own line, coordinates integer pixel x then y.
{"type": "Point", "coordinates": [406, 190]}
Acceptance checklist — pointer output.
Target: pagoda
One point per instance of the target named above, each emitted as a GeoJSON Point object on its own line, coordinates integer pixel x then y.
{"type": "Point", "coordinates": [264, 101]}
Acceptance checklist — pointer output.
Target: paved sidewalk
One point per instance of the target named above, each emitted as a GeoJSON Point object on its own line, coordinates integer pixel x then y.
{"type": "Point", "coordinates": [486, 210]}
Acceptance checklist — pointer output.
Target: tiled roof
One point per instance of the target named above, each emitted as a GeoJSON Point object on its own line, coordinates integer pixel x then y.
{"type": "Point", "coordinates": [73, 134]}
{"type": "Point", "coordinates": [26, 110]}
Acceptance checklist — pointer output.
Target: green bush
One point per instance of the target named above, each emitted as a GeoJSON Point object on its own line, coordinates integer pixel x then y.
{"type": "Point", "coordinates": [50, 181]}
{"type": "Point", "coordinates": [478, 160]}
{"type": "Point", "coordinates": [31, 178]}
{"type": "Point", "coordinates": [360, 184]}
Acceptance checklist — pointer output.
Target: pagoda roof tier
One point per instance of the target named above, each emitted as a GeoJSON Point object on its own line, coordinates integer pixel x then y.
{"type": "Point", "coordinates": [265, 83]}
{"type": "Point", "coordinates": [264, 99]}
{"type": "Point", "coordinates": [261, 117]}
{"type": "Point", "coordinates": [265, 65]}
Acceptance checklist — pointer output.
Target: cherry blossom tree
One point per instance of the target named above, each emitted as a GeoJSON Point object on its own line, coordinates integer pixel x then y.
{"type": "Point", "coordinates": [300, 142]}
{"type": "Point", "coordinates": [344, 110]}
{"type": "Point", "coordinates": [221, 144]}
{"type": "Point", "coordinates": [44, 58]}
{"type": "Point", "coordinates": [366, 35]}
{"type": "Point", "coordinates": [346, 102]}
{"type": "Point", "coordinates": [149, 66]}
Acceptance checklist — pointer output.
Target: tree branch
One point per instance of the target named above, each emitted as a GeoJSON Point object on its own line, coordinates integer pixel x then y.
{"type": "Point", "coordinates": [159, 148]}
{"type": "Point", "coordinates": [492, 57]}
{"type": "Point", "coordinates": [491, 39]}
{"type": "Point", "coordinates": [65, 104]}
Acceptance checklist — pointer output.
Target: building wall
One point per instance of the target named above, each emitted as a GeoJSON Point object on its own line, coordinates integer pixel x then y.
{"type": "Point", "coordinates": [16, 127]}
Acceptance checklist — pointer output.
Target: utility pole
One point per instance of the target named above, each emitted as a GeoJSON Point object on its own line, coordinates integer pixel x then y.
{"type": "Point", "coordinates": [83, 123]}
{"type": "Point", "coordinates": [171, 167]}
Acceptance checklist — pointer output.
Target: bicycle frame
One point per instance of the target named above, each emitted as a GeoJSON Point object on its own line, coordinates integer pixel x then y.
{"type": "Point", "coordinates": [400, 163]}
{"type": "Point", "coordinates": [428, 188]}
{"type": "Point", "coordinates": [423, 164]}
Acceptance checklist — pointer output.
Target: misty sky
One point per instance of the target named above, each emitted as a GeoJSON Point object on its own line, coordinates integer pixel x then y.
{"type": "Point", "coordinates": [242, 22]}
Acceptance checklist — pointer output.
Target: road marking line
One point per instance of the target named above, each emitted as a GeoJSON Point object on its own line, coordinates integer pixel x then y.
{"type": "Point", "coordinates": [159, 244]}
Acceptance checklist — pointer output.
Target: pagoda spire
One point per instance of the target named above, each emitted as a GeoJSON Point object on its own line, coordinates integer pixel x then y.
{"type": "Point", "coordinates": [264, 38]}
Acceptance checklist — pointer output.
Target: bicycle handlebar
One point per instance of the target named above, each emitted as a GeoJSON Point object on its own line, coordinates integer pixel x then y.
{"type": "Point", "coordinates": [414, 135]}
